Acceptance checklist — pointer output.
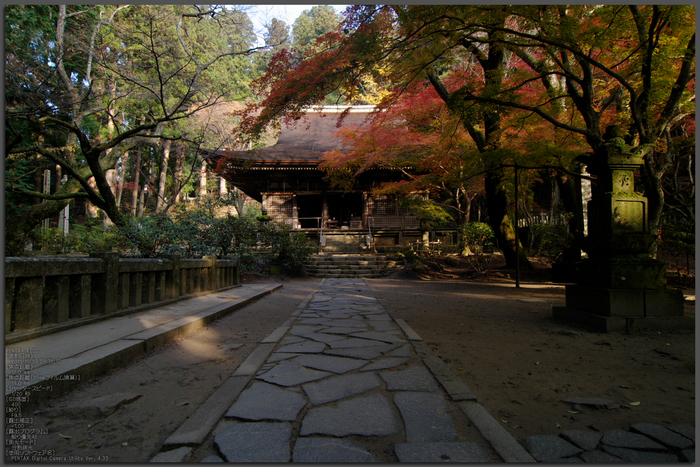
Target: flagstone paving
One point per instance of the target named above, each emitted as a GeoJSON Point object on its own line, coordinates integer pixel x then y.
{"type": "Point", "coordinates": [343, 384]}
{"type": "Point", "coordinates": [345, 380]}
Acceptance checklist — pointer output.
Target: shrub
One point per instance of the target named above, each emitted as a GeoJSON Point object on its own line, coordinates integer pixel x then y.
{"type": "Point", "coordinates": [288, 249]}
{"type": "Point", "coordinates": [90, 237]}
{"type": "Point", "coordinates": [549, 241]}
{"type": "Point", "coordinates": [678, 237]}
{"type": "Point", "coordinates": [479, 237]}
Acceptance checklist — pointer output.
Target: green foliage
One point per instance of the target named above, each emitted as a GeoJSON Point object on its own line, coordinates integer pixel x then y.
{"type": "Point", "coordinates": [429, 214]}
{"type": "Point", "coordinates": [203, 228]}
{"type": "Point", "coordinates": [90, 237]}
{"type": "Point", "coordinates": [678, 238]}
{"type": "Point", "coordinates": [19, 172]}
{"type": "Point", "coordinates": [479, 237]}
{"type": "Point", "coordinates": [312, 24]}
{"type": "Point", "coordinates": [289, 249]}
{"type": "Point", "coordinates": [410, 257]}
{"type": "Point", "coordinates": [549, 241]}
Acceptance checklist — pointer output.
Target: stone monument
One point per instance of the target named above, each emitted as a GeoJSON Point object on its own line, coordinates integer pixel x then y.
{"type": "Point", "coordinates": [619, 286]}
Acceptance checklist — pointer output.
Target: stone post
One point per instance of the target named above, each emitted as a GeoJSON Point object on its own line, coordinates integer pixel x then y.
{"type": "Point", "coordinates": [620, 287]}
{"type": "Point", "coordinates": [28, 302]}
{"type": "Point", "coordinates": [212, 282]}
{"type": "Point", "coordinates": [56, 299]}
{"type": "Point", "coordinates": [124, 290]}
{"type": "Point", "coordinates": [80, 293]}
{"type": "Point", "coordinates": [148, 288]}
{"type": "Point", "coordinates": [237, 272]}
{"type": "Point", "coordinates": [105, 286]}
{"type": "Point", "coordinates": [172, 277]}
{"type": "Point", "coordinates": [135, 289]}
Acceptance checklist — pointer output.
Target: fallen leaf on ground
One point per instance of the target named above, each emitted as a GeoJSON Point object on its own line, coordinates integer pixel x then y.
{"type": "Point", "coordinates": [635, 403]}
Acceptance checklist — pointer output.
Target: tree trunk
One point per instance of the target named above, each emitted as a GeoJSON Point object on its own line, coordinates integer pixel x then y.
{"type": "Point", "coordinates": [203, 179]}
{"type": "Point", "coordinates": [463, 220]}
{"type": "Point", "coordinates": [653, 190]}
{"type": "Point", "coordinates": [165, 158]}
{"type": "Point", "coordinates": [179, 164]}
{"type": "Point", "coordinates": [142, 195]}
{"type": "Point", "coordinates": [497, 207]}
{"type": "Point", "coordinates": [136, 178]}
{"type": "Point", "coordinates": [122, 175]}
{"type": "Point", "coordinates": [92, 210]}
{"type": "Point", "coordinates": [106, 221]}
{"type": "Point", "coordinates": [16, 235]}
{"type": "Point", "coordinates": [238, 201]}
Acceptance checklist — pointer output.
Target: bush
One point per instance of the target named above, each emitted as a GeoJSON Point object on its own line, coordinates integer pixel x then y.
{"type": "Point", "coordinates": [90, 237]}
{"type": "Point", "coordinates": [479, 237]}
{"type": "Point", "coordinates": [678, 237]}
{"type": "Point", "coordinates": [192, 230]}
{"type": "Point", "coordinates": [549, 241]}
{"type": "Point", "coordinates": [288, 249]}
{"type": "Point", "coordinates": [82, 238]}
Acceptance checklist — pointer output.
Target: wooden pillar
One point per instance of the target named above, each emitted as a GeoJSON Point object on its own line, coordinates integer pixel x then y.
{"type": "Point", "coordinates": [324, 206]}
{"type": "Point", "coordinates": [295, 212]}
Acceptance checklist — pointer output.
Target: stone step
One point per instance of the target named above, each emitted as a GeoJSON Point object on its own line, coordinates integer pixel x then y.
{"type": "Point", "coordinates": [351, 265]}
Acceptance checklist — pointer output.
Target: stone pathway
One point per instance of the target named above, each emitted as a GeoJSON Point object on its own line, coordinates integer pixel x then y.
{"type": "Point", "coordinates": [346, 380]}
{"type": "Point", "coordinates": [341, 384]}
{"type": "Point", "coordinates": [643, 443]}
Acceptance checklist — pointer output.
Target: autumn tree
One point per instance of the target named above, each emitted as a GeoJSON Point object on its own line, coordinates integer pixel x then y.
{"type": "Point", "coordinates": [402, 45]}
{"type": "Point", "coordinates": [624, 65]}
{"type": "Point", "coordinates": [418, 138]}
{"type": "Point", "coordinates": [108, 79]}
{"type": "Point", "coordinates": [575, 68]}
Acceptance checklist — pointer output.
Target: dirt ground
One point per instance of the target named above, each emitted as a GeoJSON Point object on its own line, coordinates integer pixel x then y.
{"type": "Point", "coordinates": [501, 342]}
{"type": "Point", "coordinates": [168, 385]}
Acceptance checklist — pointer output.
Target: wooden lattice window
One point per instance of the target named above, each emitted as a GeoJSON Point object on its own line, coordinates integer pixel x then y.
{"type": "Point", "coordinates": [382, 206]}
{"type": "Point", "coordinates": [280, 206]}
{"type": "Point", "coordinates": [387, 205]}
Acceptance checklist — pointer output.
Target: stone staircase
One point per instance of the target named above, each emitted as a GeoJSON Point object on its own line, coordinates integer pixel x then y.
{"type": "Point", "coordinates": [352, 265]}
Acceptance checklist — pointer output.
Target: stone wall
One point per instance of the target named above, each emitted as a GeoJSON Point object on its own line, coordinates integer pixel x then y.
{"type": "Point", "coordinates": [45, 295]}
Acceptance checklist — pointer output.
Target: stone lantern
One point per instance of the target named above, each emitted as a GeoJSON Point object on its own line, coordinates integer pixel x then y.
{"type": "Point", "coordinates": [620, 287]}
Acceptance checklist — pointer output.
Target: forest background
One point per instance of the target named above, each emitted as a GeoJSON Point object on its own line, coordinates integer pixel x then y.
{"type": "Point", "coordinates": [114, 102]}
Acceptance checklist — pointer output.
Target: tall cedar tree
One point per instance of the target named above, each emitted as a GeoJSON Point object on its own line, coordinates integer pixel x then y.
{"type": "Point", "coordinates": [105, 79]}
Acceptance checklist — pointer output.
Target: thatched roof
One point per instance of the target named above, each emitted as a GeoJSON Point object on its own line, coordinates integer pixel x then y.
{"type": "Point", "coordinates": [304, 143]}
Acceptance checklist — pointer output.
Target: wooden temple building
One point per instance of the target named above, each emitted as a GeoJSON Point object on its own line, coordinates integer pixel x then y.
{"type": "Point", "coordinates": [287, 180]}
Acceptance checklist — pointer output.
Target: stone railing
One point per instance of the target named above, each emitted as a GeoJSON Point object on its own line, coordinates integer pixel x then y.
{"type": "Point", "coordinates": [45, 295]}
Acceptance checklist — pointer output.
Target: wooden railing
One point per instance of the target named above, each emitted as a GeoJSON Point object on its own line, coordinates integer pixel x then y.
{"type": "Point", "coordinates": [406, 222]}
{"type": "Point", "coordinates": [44, 295]}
